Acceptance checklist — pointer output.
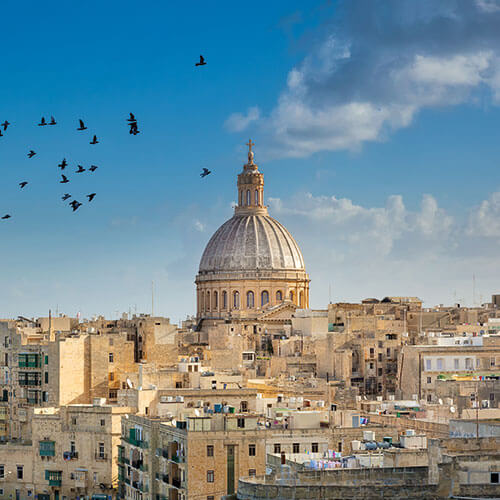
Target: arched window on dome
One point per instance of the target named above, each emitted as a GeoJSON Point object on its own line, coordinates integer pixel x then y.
{"type": "Point", "coordinates": [216, 300]}
{"type": "Point", "coordinates": [250, 300]}
{"type": "Point", "coordinates": [291, 295]}
{"type": "Point", "coordinates": [236, 300]}
{"type": "Point", "coordinates": [248, 197]}
{"type": "Point", "coordinates": [257, 197]}
{"type": "Point", "coordinates": [224, 299]}
{"type": "Point", "coordinates": [279, 296]}
{"type": "Point", "coordinates": [301, 299]}
{"type": "Point", "coordinates": [241, 198]}
{"type": "Point", "coordinates": [208, 301]}
{"type": "Point", "coordinates": [264, 298]}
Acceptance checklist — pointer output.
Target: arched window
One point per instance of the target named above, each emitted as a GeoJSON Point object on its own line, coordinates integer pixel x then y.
{"type": "Point", "coordinates": [208, 301]}
{"type": "Point", "coordinates": [224, 299]}
{"type": "Point", "coordinates": [279, 296]}
{"type": "Point", "coordinates": [202, 301]}
{"type": "Point", "coordinates": [291, 295]}
{"type": "Point", "coordinates": [264, 298]}
{"type": "Point", "coordinates": [257, 197]}
{"type": "Point", "coordinates": [248, 197]}
{"type": "Point", "coordinates": [216, 300]}
{"type": "Point", "coordinates": [236, 300]}
{"type": "Point", "coordinates": [301, 299]}
{"type": "Point", "coordinates": [250, 300]}
{"type": "Point", "coordinates": [241, 198]}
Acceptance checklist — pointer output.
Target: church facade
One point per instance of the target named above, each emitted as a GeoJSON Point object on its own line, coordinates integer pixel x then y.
{"type": "Point", "coordinates": [252, 264]}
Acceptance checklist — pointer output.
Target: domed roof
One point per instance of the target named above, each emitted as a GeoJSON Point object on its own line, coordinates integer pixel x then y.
{"type": "Point", "coordinates": [249, 243]}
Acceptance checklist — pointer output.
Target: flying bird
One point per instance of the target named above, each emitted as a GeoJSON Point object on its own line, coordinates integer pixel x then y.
{"type": "Point", "coordinates": [63, 164]}
{"type": "Point", "coordinates": [5, 124]}
{"type": "Point", "coordinates": [94, 140]}
{"type": "Point", "coordinates": [93, 168]}
{"type": "Point", "coordinates": [82, 126]}
{"type": "Point", "coordinates": [52, 121]}
{"type": "Point", "coordinates": [202, 61]}
{"type": "Point", "coordinates": [22, 184]}
{"type": "Point", "coordinates": [76, 205]}
{"type": "Point", "coordinates": [132, 118]}
{"type": "Point", "coordinates": [6, 216]}
{"type": "Point", "coordinates": [80, 169]}
{"type": "Point", "coordinates": [31, 154]}
{"type": "Point", "coordinates": [205, 172]}
{"type": "Point", "coordinates": [133, 128]}
{"type": "Point", "coordinates": [42, 122]}
{"type": "Point", "coordinates": [64, 179]}
{"type": "Point", "coordinates": [91, 196]}
{"type": "Point", "coordinates": [67, 196]}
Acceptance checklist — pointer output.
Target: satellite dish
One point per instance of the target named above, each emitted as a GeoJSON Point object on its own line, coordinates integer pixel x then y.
{"type": "Point", "coordinates": [452, 409]}
{"type": "Point", "coordinates": [130, 384]}
{"type": "Point", "coordinates": [440, 401]}
{"type": "Point", "coordinates": [197, 412]}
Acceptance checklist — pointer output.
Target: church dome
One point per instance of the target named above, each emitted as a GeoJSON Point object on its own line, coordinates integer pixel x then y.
{"type": "Point", "coordinates": [249, 243]}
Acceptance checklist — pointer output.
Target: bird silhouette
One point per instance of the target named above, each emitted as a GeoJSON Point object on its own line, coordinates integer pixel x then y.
{"type": "Point", "coordinates": [202, 61]}
{"type": "Point", "coordinates": [23, 184]}
{"type": "Point", "coordinates": [64, 179]}
{"type": "Point", "coordinates": [76, 205]}
{"type": "Point", "coordinates": [1, 135]}
{"type": "Point", "coordinates": [31, 154]}
{"type": "Point", "coordinates": [82, 126]}
{"type": "Point", "coordinates": [42, 122]}
{"type": "Point", "coordinates": [94, 140]}
{"type": "Point", "coordinates": [93, 168]}
{"type": "Point", "coordinates": [132, 118]}
{"type": "Point", "coordinates": [52, 121]}
{"type": "Point", "coordinates": [91, 196]}
{"type": "Point", "coordinates": [205, 172]}
{"type": "Point", "coordinates": [80, 169]}
{"type": "Point", "coordinates": [67, 196]}
{"type": "Point", "coordinates": [63, 164]}
{"type": "Point", "coordinates": [5, 124]}
{"type": "Point", "coordinates": [6, 216]}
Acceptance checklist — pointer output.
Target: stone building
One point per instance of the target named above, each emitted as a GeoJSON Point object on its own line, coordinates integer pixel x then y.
{"type": "Point", "coordinates": [251, 263]}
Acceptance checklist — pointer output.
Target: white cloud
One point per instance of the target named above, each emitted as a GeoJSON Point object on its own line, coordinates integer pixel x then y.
{"type": "Point", "coordinates": [359, 84]}
{"type": "Point", "coordinates": [238, 121]}
{"type": "Point", "coordinates": [485, 219]}
{"type": "Point", "coordinates": [199, 226]}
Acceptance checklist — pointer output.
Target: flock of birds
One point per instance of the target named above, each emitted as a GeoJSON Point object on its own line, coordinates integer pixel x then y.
{"type": "Point", "coordinates": [75, 204]}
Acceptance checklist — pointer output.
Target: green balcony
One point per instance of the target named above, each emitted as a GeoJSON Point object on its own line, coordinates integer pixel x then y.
{"type": "Point", "coordinates": [55, 482]}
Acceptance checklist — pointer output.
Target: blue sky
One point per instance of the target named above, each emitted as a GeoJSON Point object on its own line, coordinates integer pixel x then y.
{"type": "Point", "coordinates": [377, 127]}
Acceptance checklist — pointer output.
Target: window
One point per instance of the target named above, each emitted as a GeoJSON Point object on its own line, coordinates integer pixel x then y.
{"type": "Point", "coordinates": [47, 448]}
{"type": "Point", "coordinates": [111, 376]}
{"type": "Point", "coordinates": [296, 448]}
{"type": "Point", "coordinates": [492, 396]}
{"type": "Point", "coordinates": [428, 364]}
{"type": "Point", "coordinates": [241, 423]}
{"type": "Point", "coordinates": [494, 478]}
{"type": "Point", "coordinates": [103, 422]}
{"type": "Point", "coordinates": [113, 393]}
{"type": "Point", "coordinates": [301, 299]}
{"type": "Point", "coordinates": [264, 298]}
{"type": "Point", "coordinates": [371, 366]}
{"type": "Point", "coordinates": [46, 377]}
{"type": "Point", "coordinates": [210, 450]}
{"type": "Point", "coordinates": [251, 450]}
{"type": "Point", "coordinates": [388, 352]}
{"type": "Point", "coordinates": [456, 364]}
{"type": "Point", "coordinates": [252, 472]}
{"type": "Point", "coordinates": [492, 361]}
{"type": "Point", "coordinates": [208, 301]}
{"type": "Point", "coordinates": [73, 420]}
{"type": "Point", "coordinates": [244, 406]}
{"type": "Point", "coordinates": [210, 497]}
{"type": "Point", "coordinates": [314, 447]}
{"type": "Point", "coordinates": [19, 472]}
{"type": "Point", "coordinates": [250, 300]}
{"type": "Point", "coordinates": [372, 352]}
{"type": "Point", "coordinates": [241, 198]}
{"type": "Point", "coordinates": [210, 476]}
{"type": "Point", "coordinates": [380, 372]}
{"type": "Point", "coordinates": [277, 448]}
{"type": "Point", "coordinates": [72, 447]}
{"type": "Point", "coordinates": [248, 197]}
{"type": "Point", "coordinates": [236, 300]}
{"type": "Point", "coordinates": [2, 472]}
{"type": "Point", "coordinates": [101, 450]}
{"type": "Point", "coordinates": [110, 357]}
{"type": "Point", "coordinates": [224, 300]}
{"type": "Point", "coordinates": [429, 380]}
{"type": "Point", "coordinates": [256, 196]}
{"type": "Point", "coordinates": [279, 296]}
{"type": "Point", "coordinates": [429, 398]}
{"type": "Point", "coordinates": [291, 296]}
{"type": "Point", "coordinates": [469, 364]}
{"type": "Point", "coordinates": [216, 300]}
{"type": "Point", "coordinates": [440, 363]}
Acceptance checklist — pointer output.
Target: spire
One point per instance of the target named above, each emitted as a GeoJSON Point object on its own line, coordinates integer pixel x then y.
{"type": "Point", "coordinates": [251, 187]}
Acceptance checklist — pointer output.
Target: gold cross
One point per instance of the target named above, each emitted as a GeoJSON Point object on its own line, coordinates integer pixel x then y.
{"type": "Point", "coordinates": [250, 144]}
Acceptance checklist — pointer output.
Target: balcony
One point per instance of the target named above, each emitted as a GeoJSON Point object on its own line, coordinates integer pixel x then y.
{"type": "Point", "coordinates": [177, 460]}
{"type": "Point", "coordinates": [101, 456]}
{"type": "Point", "coordinates": [176, 482]}
{"type": "Point", "coordinates": [165, 478]}
{"type": "Point", "coordinates": [136, 464]}
{"type": "Point", "coordinates": [55, 482]}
